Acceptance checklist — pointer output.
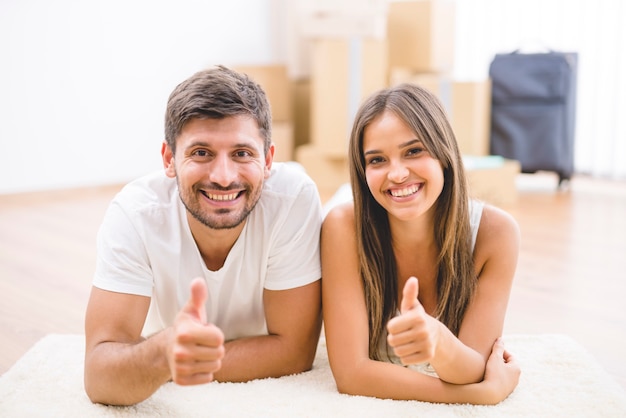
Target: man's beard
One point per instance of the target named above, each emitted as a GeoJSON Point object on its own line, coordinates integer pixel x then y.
{"type": "Point", "coordinates": [221, 218]}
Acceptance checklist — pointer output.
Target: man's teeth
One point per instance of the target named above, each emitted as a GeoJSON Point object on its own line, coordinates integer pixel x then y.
{"type": "Point", "coordinates": [222, 197]}
{"type": "Point", "coordinates": [404, 192]}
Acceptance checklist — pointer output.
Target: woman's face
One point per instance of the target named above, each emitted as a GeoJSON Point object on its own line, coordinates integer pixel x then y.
{"type": "Point", "coordinates": [401, 174]}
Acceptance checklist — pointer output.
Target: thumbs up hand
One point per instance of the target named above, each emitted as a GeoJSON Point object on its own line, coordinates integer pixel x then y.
{"type": "Point", "coordinates": [195, 305]}
{"type": "Point", "coordinates": [197, 348]}
{"type": "Point", "coordinates": [413, 334]}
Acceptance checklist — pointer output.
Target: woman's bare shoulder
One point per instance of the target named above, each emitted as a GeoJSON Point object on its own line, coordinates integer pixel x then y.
{"type": "Point", "coordinates": [341, 215]}
{"type": "Point", "coordinates": [498, 235]}
{"type": "Point", "coordinates": [497, 222]}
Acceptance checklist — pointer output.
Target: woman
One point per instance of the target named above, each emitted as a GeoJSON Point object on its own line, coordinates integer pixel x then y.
{"type": "Point", "coordinates": [416, 276]}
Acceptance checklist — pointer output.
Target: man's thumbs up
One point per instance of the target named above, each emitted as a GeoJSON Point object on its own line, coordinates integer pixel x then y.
{"type": "Point", "coordinates": [409, 295]}
{"type": "Point", "coordinates": [195, 305]}
{"type": "Point", "coordinates": [197, 347]}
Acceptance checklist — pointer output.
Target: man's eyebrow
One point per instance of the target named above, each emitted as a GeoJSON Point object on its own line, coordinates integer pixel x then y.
{"type": "Point", "coordinates": [200, 143]}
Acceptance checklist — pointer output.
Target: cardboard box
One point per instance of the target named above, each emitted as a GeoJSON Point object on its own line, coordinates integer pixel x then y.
{"type": "Point", "coordinates": [344, 73]}
{"type": "Point", "coordinates": [468, 104]}
{"type": "Point", "coordinates": [301, 91]}
{"type": "Point", "coordinates": [493, 179]}
{"type": "Point", "coordinates": [343, 19]}
{"type": "Point", "coordinates": [471, 116]}
{"type": "Point", "coordinates": [282, 137]}
{"type": "Point", "coordinates": [421, 34]}
{"type": "Point", "coordinates": [275, 81]}
{"type": "Point", "coordinates": [328, 172]}
{"type": "Point", "coordinates": [440, 84]}
{"type": "Point", "coordinates": [363, 22]}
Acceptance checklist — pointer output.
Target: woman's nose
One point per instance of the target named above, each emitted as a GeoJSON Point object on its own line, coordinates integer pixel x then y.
{"type": "Point", "coordinates": [398, 172]}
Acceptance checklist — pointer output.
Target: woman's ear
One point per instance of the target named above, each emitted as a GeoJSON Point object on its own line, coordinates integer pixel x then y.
{"type": "Point", "coordinates": [168, 160]}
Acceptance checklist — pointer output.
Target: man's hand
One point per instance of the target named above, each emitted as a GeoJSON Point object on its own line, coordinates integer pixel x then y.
{"type": "Point", "coordinates": [197, 348]}
{"type": "Point", "coordinates": [412, 334]}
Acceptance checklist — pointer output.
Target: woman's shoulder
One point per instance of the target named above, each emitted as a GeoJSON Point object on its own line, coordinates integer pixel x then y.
{"type": "Point", "coordinates": [340, 218]}
{"type": "Point", "coordinates": [495, 219]}
{"type": "Point", "coordinates": [498, 232]}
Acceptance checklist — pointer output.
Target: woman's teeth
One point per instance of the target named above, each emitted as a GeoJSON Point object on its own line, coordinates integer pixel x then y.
{"type": "Point", "coordinates": [404, 192]}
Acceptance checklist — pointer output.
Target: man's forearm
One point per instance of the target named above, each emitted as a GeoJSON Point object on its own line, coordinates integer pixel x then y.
{"type": "Point", "coordinates": [264, 356]}
{"type": "Point", "coordinates": [125, 374]}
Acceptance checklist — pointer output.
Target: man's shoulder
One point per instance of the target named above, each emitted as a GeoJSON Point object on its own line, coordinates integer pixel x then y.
{"type": "Point", "coordinates": [149, 191]}
{"type": "Point", "coordinates": [288, 179]}
{"type": "Point", "coordinates": [288, 190]}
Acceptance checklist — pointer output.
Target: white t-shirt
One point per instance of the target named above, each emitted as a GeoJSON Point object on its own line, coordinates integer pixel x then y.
{"type": "Point", "coordinates": [145, 247]}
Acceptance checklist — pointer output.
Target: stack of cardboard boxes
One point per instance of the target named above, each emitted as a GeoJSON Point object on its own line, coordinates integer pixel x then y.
{"type": "Point", "coordinates": [358, 50]}
{"type": "Point", "coordinates": [275, 81]}
{"type": "Point", "coordinates": [348, 63]}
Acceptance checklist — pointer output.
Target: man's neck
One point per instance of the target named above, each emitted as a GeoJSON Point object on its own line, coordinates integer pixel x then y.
{"type": "Point", "coordinates": [214, 244]}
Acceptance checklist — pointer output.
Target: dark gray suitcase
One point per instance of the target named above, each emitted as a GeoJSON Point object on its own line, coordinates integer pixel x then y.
{"type": "Point", "coordinates": [534, 110]}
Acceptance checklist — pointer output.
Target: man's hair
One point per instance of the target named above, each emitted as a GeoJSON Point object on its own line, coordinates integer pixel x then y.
{"type": "Point", "coordinates": [217, 93]}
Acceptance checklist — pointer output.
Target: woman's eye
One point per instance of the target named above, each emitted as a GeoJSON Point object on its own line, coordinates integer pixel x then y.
{"type": "Point", "coordinates": [374, 160]}
{"type": "Point", "coordinates": [415, 151]}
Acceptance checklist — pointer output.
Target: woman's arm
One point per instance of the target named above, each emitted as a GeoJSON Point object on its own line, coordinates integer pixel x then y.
{"type": "Point", "coordinates": [346, 328]}
{"type": "Point", "coordinates": [417, 337]}
{"type": "Point", "coordinates": [495, 260]}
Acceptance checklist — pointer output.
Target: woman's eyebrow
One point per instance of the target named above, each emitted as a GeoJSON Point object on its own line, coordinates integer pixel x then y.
{"type": "Point", "coordinates": [409, 143]}
{"type": "Point", "coordinates": [402, 145]}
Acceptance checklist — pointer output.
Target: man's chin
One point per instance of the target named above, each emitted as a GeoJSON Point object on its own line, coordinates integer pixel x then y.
{"type": "Point", "coordinates": [225, 220]}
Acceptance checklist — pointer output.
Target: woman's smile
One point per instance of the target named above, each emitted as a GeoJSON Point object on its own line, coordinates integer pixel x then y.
{"type": "Point", "coordinates": [405, 191]}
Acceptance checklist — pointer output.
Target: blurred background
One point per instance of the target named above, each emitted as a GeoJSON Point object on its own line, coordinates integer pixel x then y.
{"type": "Point", "coordinates": [83, 85]}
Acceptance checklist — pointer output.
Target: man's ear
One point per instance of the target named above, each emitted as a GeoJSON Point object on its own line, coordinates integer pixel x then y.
{"type": "Point", "coordinates": [168, 160]}
{"type": "Point", "coordinates": [269, 159]}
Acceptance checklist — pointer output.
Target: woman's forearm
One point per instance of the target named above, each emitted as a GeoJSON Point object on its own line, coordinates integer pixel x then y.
{"type": "Point", "coordinates": [390, 381]}
{"type": "Point", "coordinates": [455, 362]}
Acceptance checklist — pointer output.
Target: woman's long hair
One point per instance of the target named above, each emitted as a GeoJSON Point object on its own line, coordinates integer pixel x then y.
{"type": "Point", "coordinates": [456, 279]}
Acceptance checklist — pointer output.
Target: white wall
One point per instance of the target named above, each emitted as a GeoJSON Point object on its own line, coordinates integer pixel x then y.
{"type": "Point", "coordinates": [84, 84]}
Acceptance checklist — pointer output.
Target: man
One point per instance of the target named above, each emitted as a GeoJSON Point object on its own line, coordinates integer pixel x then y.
{"type": "Point", "coordinates": [209, 269]}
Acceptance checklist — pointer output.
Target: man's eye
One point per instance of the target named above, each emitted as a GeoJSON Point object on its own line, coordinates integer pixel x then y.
{"type": "Point", "coordinates": [242, 154]}
{"type": "Point", "coordinates": [200, 153]}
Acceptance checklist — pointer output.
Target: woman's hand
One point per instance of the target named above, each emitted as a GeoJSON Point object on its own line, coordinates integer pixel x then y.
{"type": "Point", "coordinates": [501, 374]}
{"type": "Point", "coordinates": [413, 334]}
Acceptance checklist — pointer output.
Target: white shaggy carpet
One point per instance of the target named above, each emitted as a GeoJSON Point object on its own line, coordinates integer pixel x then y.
{"type": "Point", "coordinates": [559, 379]}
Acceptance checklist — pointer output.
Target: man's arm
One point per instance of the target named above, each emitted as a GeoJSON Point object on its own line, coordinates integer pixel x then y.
{"type": "Point", "coordinates": [294, 322]}
{"type": "Point", "coordinates": [122, 368]}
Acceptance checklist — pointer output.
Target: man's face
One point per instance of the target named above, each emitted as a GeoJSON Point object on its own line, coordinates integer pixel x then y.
{"type": "Point", "coordinates": [220, 167]}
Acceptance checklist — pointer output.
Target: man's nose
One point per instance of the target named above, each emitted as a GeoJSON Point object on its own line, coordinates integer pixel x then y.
{"type": "Point", "coordinates": [223, 171]}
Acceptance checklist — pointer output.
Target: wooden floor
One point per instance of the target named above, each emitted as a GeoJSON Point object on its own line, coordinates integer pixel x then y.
{"type": "Point", "coordinates": [571, 277]}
